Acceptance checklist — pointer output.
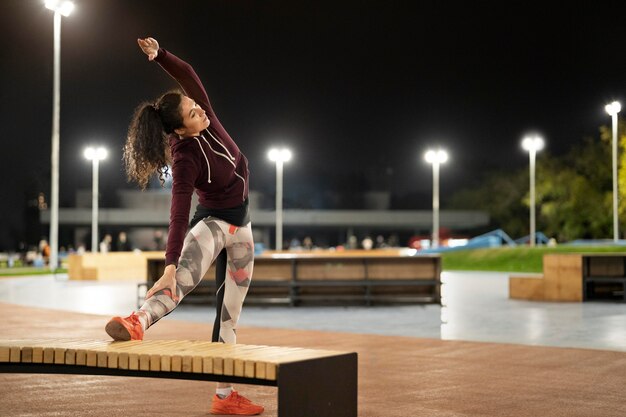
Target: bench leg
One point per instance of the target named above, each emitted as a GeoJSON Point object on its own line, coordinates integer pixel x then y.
{"type": "Point", "coordinates": [325, 387]}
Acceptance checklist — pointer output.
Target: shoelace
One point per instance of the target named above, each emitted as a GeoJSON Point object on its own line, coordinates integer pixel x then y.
{"type": "Point", "coordinates": [134, 319]}
{"type": "Point", "coordinates": [241, 399]}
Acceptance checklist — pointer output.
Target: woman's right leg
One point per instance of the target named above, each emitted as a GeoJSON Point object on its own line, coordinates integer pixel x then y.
{"type": "Point", "coordinates": [202, 245]}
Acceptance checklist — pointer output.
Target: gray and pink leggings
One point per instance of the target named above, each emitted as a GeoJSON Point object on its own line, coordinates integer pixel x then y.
{"type": "Point", "coordinates": [204, 243]}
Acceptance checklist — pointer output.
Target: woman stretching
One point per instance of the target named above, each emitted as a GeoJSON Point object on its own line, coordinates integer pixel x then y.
{"type": "Point", "coordinates": [182, 130]}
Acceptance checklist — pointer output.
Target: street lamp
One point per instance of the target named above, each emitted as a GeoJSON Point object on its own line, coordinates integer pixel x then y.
{"type": "Point", "coordinates": [436, 158]}
{"type": "Point", "coordinates": [59, 8]}
{"type": "Point", "coordinates": [279, 156]}
{"type": "Point", "coordinates": [532, 144]}
{"type": "Point", "coordinates": [613, 109]}
{"type": "Point", "coordinates": [95, 155]}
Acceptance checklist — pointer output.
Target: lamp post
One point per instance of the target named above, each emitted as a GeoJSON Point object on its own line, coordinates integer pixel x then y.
{"type": "Point", "coordinates": [279, 156]}
{"type": "Point", "coordinates": [613, 109]}
{"type": "Point", "coordinates": [95, 155]}
{"type": "Point", "coordinates": [59, 8]}
{"type": "Point", "coordinates": [532, 144]}
{"type": "Point", "coordinates": [436, 158]}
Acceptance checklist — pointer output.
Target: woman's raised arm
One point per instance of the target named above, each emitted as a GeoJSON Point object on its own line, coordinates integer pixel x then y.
{"type": "Point", "coordinates": [181, 71]}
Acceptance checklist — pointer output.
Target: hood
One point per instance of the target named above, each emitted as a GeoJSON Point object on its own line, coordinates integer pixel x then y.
{"type": "Point", "coordinates": [176, 143]}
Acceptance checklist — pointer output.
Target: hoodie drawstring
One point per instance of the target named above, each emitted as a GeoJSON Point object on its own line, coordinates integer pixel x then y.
{"type": "Point", "coordinates": [208, 166]}
{"type": "Point", "coordinates": [228, 157]}
{"type": "Point", "coordinates": [222, 145]}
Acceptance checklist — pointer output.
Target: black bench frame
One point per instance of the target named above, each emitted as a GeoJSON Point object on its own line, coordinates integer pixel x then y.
{"type": "Point", "coordinates": [606, 284]}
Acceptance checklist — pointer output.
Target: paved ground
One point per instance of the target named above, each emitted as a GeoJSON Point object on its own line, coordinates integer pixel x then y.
{"type": "Point", "coordinates": [398, 376]}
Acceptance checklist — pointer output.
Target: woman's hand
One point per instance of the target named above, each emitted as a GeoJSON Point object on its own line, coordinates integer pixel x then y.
{"type": "Point", "coordinates": [167, 282]}
{"type": "Point", "coordinates": [149, 46]}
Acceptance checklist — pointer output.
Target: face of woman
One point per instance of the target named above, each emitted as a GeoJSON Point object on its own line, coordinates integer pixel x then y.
{"type": "Point", "coordinates": [194, 118]}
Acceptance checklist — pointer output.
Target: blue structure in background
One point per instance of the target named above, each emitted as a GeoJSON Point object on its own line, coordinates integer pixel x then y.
{"type": "Point", "coordinates": [493, 239]}
{"type": "Point", "coordinates": [540, 238]}
{"type": "Point", "coordinates": [498, 238]}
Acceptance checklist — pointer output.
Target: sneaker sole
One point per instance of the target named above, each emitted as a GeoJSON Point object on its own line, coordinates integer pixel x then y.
{"type": "Point", "coordinates": [231, 413]}
{"type": "Point", "coordinates": [117, 331]}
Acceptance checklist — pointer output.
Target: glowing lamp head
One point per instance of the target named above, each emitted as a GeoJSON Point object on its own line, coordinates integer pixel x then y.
{"type": "Point", "coordinates": [613, 108]}
{"type": "Point", "coordinates": [279, 155]}
{"type": "Point", "coordinates": [436, 156]}
{"type": "Point", "coordinates": [92, 153]}
{"type": "Point", "coordinates": [63, 7]}
{"type": "Point", "coordinates": [533, 143]}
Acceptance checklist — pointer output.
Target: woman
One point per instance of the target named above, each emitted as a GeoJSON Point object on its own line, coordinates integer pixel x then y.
{"type": "Point", "coordinates": [182, 130]}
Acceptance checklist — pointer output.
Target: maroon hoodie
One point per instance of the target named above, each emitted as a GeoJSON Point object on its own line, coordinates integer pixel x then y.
{"type": "Point", "coordinates": [211, 164]}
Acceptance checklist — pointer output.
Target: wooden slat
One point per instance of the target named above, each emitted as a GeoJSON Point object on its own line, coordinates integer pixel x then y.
{"type": "Point", "coordinates": [202, 353]}
{"type": "Point", "coordinates": [123, 352]}
{"type": "Point", "coordinates": [15, 355]}
{"type": "Point", "coordinates": [252, 362]}
{"type": "Point", "coordinates": [526, 288]}
{"type": "Point", "coordinates": [197, 356]}
{"type": "Point", "coordinates": [563, 277]}
{"type": "Point", "coordinates": [117, 354]}
{"type": "Point", "coordinates": [248, 364]}
{"type": "Point", "coordinates": [59, 355]}
{"type": "Point", "coordinates": [212, 356]}
{"type": "Point", "coordinates": [48, 355]}
{"type": "Point", "coordinates": [37, 354]}
{"type": "Point", "coordinates": [402, 268]}
{"type": "Point", "coordinates": [10, 351]}
{"type": "Point", "coordinates": [275, 270]}
{"type": "Point", "coordinates": [330, 269]}
{"type": "Point", "coordinates": [82, 350]}
{"type": "Point", "coordinates": [5, 353]}
{"type": "Point", "coordinates": [157, 360]}
{"type": "Point", "coordinates": [81, 354]}
{"type": "Point", "coordinates": [240, 360]}
{"type": "Point", "coordinates": [27, 354]}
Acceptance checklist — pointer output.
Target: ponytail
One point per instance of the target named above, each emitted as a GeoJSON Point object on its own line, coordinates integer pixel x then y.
{"type": "Point", "coordinates": [146, 150]}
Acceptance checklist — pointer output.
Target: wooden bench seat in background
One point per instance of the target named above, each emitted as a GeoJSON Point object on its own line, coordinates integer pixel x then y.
{"type": "Point", "coordinates": [323, 277]}
{"type": "Point", "coordinates": [294, 278]}
{"type": "Point", "coordinates": [112, 266]}
{"type": "Point", "coordinates": [574, 277]}
{"type": "Point", "coordinates": [310, 382]}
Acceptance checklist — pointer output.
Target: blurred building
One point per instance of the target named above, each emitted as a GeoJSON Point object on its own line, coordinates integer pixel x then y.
{"type": "Point", "coordinates": [144, 215]}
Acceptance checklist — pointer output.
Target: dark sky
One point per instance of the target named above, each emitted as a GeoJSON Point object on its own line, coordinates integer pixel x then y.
{"type": "Point", "coordinates": [357, 89]}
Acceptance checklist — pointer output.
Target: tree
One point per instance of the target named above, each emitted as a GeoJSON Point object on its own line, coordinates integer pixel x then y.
{"type": "Point", "coordinates": [501, 195]}
{"type": "Point", "coordinates": [571, 205]}
{"type": "Point", "coordinates": [606, 135]}
{"type": "Point", "coordinates": [573, 193]}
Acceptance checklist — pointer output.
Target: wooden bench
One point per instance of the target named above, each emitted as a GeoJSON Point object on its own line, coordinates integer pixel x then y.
{"type": "Point", "coordinates": [574, 277]}
{"type": "Point", "coordinates": [310, 382]}
{"type": "Point", "coordinates": [112, 266]}
{"type": "Point", "coordinates": [363, 277]}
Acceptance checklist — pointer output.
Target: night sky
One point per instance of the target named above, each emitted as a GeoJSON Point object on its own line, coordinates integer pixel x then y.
{"type": "Point", "coordinates": [357, 89]}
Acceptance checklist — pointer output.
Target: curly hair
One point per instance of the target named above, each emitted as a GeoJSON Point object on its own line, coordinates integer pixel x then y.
{"type": "Point", "coordinates": [146, 151]}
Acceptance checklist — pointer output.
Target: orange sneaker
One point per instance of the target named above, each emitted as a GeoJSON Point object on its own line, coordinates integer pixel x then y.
{"type": "Point", "coordinates": [235, 404]}
{"type": "Point", "coordinates": [126, 328]}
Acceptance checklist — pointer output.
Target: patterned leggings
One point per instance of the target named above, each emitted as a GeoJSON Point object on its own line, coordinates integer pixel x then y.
{"type": "Point", "coordinates": [204, 242]}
